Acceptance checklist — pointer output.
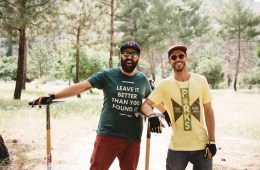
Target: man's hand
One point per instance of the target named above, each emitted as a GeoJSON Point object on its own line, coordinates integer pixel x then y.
{"type": "Point", "coordinates": [42, 100]}
{"type": "Point", "coordinates": [167, 118]}
{"type": "Point", "coordinates": [155, 124]}
{"type": "Point", "coordinates": [210, 150]}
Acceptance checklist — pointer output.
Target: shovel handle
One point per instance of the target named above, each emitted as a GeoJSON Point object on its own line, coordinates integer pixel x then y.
{"type": "Point", "coordinates": [48, 138]}
{"type": "Point", "coordinates": [147, 153]}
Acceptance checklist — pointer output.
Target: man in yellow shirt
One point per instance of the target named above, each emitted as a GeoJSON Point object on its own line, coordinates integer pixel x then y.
{"type": "Point", "coordinates": [187, 99]}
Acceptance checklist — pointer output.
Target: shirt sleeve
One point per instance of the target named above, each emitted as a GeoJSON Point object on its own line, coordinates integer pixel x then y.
{"type": "Point", "coordinates": [156, 94]}
{"type": "Point", "coordinates": [97, 80]}
{"type": "Point", "coordinates": [206, 94]}
{"type": "Point", "coordinates": [148, 89]}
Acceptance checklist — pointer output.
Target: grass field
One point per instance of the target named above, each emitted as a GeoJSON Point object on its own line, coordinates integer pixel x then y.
{"type": "Point", "coordinates": [73, 125]}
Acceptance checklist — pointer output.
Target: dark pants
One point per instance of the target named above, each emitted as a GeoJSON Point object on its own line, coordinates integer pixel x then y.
{"type": "Point", "coordinates": [106, 149]}
{"type": "Point", "coordinates": [178, 160]}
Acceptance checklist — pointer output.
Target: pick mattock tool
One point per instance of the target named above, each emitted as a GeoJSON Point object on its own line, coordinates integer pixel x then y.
{"type": "Point", "coordinates": [48, 133]}
{"type": "Point", "coordinates": [147, 152]}
{"type": "Point", "coordinates": [148, 138]}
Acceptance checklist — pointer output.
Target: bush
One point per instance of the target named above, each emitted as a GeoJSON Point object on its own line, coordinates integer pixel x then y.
{"type": "Point", "coordinates": [90, 63]}
{"type": "Point", "coordinates": [41, 58]}
{"type": "Point", "coordinates": [212, 70]}
{"type": "Point", "coordinates": [8, 67]}
{"type": "Point", "coordinates": [252, 78]}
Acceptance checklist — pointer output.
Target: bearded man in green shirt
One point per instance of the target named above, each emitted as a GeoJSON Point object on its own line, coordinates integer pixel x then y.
{"type": "Point", "coordinates": [120, 126]}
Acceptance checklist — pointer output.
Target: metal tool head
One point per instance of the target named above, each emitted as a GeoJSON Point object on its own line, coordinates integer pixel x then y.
{"type": "Point", "coordinates": [53, 102]}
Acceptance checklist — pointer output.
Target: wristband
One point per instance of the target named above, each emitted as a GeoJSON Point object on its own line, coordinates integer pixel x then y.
{"type": "Point", "coordinates": [211, 142]}
{"type": "Point", "coordinates": [52, 96]}
{"type": "Point", "coordinates": [151, 115]}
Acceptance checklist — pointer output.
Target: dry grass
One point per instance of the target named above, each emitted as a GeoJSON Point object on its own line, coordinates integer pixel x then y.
{"type": "Point", "coordinates": [73, 125]}
{"type": "Point", "coordinates": [238, 131]}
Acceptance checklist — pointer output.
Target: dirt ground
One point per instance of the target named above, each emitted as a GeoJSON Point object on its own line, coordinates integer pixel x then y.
{"type": "Point", "coordinates": [72, 137]}
{"type": "Point", "coordinates": [72, 147]}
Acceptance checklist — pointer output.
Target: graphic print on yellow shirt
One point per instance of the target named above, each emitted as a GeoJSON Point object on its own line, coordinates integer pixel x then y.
{"type": "Point", "coordinates": [187, 110]}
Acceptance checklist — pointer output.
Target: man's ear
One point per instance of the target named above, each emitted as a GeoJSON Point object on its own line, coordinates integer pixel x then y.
{"type": "Point", "coordinates": [188, 58]}
{"type": "Point", "coordinates": [169, 62]}
{"type": "Point", "coordinates": [139, 58]}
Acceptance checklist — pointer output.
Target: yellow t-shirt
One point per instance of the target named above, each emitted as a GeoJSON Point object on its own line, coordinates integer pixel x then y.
{"type": "Point", "coordinates": [184, 103]}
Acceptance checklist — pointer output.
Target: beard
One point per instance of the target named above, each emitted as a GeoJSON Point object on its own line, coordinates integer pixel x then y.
{"type": "Point", "coordinates": [126, 68]}
{"type": "Point", "coordinates": [179, 68]}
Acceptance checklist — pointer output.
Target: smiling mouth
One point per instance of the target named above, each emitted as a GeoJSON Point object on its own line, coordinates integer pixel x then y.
{"type": "Point", "coordinates": [129, 63]}
{"type": "Point", "coordinates": [179, 64]}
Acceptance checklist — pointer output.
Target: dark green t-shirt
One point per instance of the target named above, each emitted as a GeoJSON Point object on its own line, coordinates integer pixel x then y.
{"type": "Point", "coordinates": [122, 99]}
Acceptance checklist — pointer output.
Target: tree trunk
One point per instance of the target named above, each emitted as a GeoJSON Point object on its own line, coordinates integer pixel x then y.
{"type": "Point", "coordinates": [110, 62]}
{"type": "Point", "coordinates": [78, 57]}
{"type": "Point", "coordinates": [151, 62]}
{"type": "Point", "coordinates": [9, 51]}
{"type": "Point", "coordinates": [21, 64]}
{"type": "Point", "coordinates": [162, 66]}
{"type": "Point", "coordinates": [25, 66]}
{"type": "Point", "coordinates": [238, 61]}
{"type": "Point", "coordinates": [229, 81]}
{"type": "Point", "coordinates": [21, 74]}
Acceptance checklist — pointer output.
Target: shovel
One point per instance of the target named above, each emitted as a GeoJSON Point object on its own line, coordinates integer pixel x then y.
{"type": "Point", "coordinates": [48, 133]}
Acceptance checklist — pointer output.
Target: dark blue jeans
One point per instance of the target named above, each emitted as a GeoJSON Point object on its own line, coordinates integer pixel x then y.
{"type": "Point", "coordinates": [178, 160]}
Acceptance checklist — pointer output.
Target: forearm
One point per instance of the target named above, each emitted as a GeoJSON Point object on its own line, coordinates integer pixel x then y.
{"type": "Point", "coordinates": [210, 123]}
{"type": "Point", "coordinates": [160, 107]}
{"type": "Point", "coordinates": [146, 107]}
{"type": "Point", "coordinates": [73, 90]}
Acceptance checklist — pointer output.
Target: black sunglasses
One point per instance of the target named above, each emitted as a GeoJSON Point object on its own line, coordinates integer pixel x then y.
{"type": "Point", "coordinates": [132, 54]}
{"type": "Point", "coordinates": [174, 57]}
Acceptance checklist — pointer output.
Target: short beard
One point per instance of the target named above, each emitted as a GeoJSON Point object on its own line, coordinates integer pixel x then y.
{"type": "Point", "coordinates": [179, 69]}
{"type": "Point", "coordinates": [127, 68]}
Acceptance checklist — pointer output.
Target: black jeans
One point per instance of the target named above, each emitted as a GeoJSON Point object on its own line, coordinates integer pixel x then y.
{"type": "Point", "coordinates": [178, 160]}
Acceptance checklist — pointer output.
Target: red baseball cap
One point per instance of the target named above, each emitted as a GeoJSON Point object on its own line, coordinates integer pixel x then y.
{"type": "Point", "coordinates": [177, 47]}
{"type": "Point", "coordinates": [130, 44]}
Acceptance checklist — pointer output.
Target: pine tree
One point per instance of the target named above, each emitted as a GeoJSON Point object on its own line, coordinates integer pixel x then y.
{"type": "Point", "coordinates": [238, 22]}
{"type": "Point", "coordinates": [24, 16]}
